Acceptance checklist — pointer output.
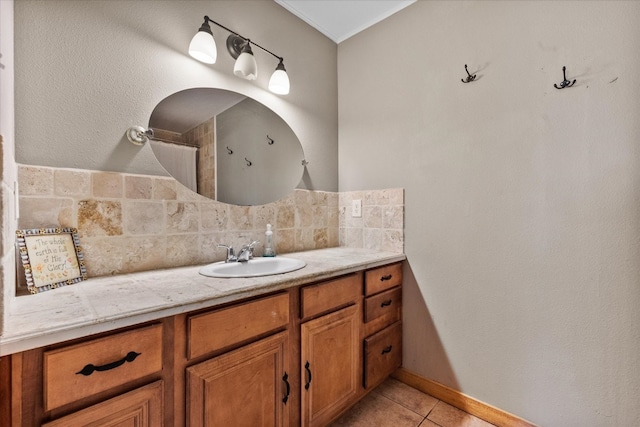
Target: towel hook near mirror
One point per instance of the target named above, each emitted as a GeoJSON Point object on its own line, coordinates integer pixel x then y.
{"type": "Point", "coordinates": [469, 77]}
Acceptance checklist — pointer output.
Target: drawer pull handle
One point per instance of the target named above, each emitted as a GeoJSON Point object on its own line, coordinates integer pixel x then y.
{"type": "Point", "coordinates": [308, 383]}
{"type": "Point", "coordinates": [387, 277]}
{"type": "Point", "coordinates": [285, 378]}
{"type": "Point", "coordinates": [90, 369]}
{"type": "Point", "coordinates": [387, 349]}
{"type": "Point", "coordinates": [386, 303]}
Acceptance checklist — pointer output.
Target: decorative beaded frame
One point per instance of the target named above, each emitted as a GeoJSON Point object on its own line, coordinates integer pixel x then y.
{"type": "Point", "coordinates": [72, 267]}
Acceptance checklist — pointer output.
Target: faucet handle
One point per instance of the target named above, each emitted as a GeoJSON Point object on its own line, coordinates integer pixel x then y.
{"type": "Point", "coordinates": [230, 254]}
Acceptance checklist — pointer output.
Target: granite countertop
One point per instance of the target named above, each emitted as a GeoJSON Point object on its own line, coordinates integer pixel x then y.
{"type": "Point", "coordinates": [106, 303]}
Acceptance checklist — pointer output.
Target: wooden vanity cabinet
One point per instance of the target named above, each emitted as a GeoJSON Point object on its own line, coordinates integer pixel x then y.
{"type": "Point", "coordinates": [331, 353]}
{"type": "Point", "coordinates": [382, 324]}
{"type": "Point", "coordinates": [297, 357]}
{"type": "Point", "coordinates": [249, 385]}
{"type": "Point", "coordinates": [116, 378]}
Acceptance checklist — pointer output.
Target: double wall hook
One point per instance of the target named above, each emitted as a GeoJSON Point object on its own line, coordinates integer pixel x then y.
{"type": "Point", "coordinates": [565, 82]}
{"type": "Point", "coordinates": [470, 77]}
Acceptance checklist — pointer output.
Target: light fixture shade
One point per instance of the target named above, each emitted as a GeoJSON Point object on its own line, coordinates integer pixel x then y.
{"type": "Point", "coordinates": [246, 66]}
{"type": "Point", "coordinates": [203, 46]}
{"type": "Point", "coordinates": [279, 82]}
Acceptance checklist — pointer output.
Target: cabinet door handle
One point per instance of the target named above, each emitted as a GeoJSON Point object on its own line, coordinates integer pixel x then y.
{"type": "Point", "coordinates": [387, 349]}
{"type": "Point", "coordinates": [285, 378]}
{"type": "Point", "coordinates": [308, 383]}
{"type": "Point", "coordinates": [90, 369]}
{"type": "Point", "coordinates": [386, 303]}
{"type": "Point", "coordinates": [387, 277]}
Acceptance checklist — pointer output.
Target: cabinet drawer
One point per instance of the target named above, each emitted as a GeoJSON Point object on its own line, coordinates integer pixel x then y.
{"type": "Point", "coordinates": [216, 330]}
{"type": "Point", "coordinates": [382, 354]}
{"type": "Point", "coordinates": [326, 296]}
{"type": "Point", "coordinates": [382, 278]}
{"type": "Point", "coordinates": [384, 304]}
{"type": "Point", "coordinates": [74, 372]}
{"type": "Point", "coordinates": [141, 407]}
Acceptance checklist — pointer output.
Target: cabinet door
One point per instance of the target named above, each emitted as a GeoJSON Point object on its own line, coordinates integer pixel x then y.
{"type": "Point", "coordinates": [330, 365]}
{"type": "Point", "coordinates": [246, 387]}
{"type": "Point", "coordinates": [141, 408]}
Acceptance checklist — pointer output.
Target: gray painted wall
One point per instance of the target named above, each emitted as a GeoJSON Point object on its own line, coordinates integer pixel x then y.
{"type": "Point", "coordinates": [522, 210]}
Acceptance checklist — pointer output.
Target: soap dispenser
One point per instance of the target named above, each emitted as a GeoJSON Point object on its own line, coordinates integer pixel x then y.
{"type": "Point", "coordinates": [268, 245]}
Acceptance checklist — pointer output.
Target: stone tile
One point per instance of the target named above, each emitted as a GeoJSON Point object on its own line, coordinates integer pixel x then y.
{"type": "Point", "coordinates": [240, 218]}
{"type": "Point", "coordinates": [320, 216]}
{"type": "Point", "coordinates": [286, 217]}
{"type": "Point", "coordinates": [376, 410]}
{"type": "Point", "coordinates": [304, 239]}
{"type": "Point", "coordinates": [182, 217]}
{"type": "Point", "coordinates": [284, 241]}
{"type": "Point", "coordinates": [393, 241]}
{"type": "Point", "coordinates": [372, 238]}
{"type": "Point", "coordinates": [72, 183]}
{"type": "Point", "coordinates": [304, 215]}
{"type": "Point", "coordinates": [427, 423]}
{"type": "Point", "coordinates": [320, 238]}
{"type": "Point", "coordinates": [164, 189]}
{"type": "Point", "coordinates": [106, 184]}
{"type": "Point", "coordinates": [447, 416]}
{"type": "Point", "coordinates": [372, 216]}
{"type": "Point", "coordinates": [354, 238]}
{"type": "Point", "coordinates": [35, 181]}
{"type": "Point", "coordinates": [143, 217]}
{"type": "Point", "coordinates": [214, 216]}
{"type": "Point", "coordinates": [182, 250]}
{"type": "Point", "coordinates": [138, 187]}
{"type": "Point", "coordinates": [407, 396]}
{"type": "Point", "coordinates": [36, 212]}
{"type": "Point", "coordinates": [393, 217]}
{"type": "Point", "coordinates": [263, 215]}
{"type": "Point", "coordinates": [99, 218]}
{"type": "Point", "coordinates": [106, 256]}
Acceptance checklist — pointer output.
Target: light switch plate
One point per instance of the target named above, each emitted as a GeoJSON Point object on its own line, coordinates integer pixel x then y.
{"type": "Point", "coordinates": [356, 208]}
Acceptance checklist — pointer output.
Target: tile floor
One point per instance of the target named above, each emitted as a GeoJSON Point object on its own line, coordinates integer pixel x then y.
{"type": "Point", "coordinates": [395, 404]}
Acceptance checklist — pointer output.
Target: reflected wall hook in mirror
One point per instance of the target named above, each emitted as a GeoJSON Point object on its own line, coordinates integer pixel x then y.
{"type": "Point", "coordinates": [565, 82]}
{"type": "Point", "coordinates": [229, 150]}
{"type": "Point", "coordinates": [470, 77]}
{"type": "Point", "coordinates": [271, 141]}
{"type": "Point", "coordinates": [248, 161]}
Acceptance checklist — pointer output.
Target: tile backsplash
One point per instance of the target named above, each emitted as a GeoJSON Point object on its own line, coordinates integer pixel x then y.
{"type": "Point", "coordinates": [128, 223]}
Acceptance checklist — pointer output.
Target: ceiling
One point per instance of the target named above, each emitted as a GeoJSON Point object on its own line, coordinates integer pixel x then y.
{"type": "Point", "coordinates": [341, 19]}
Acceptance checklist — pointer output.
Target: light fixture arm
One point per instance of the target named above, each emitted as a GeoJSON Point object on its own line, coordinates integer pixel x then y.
{"type": "Point", "coordinates": [207, 19]}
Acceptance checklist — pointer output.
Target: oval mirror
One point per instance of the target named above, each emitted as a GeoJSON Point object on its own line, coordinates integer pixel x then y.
{"type": "Point", "coordinates": [226, 146]}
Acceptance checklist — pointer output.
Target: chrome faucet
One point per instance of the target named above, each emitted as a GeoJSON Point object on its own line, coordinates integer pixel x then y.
{"type": "Point", "coordinates": [231, 256]}
{"type": "Point", "coordinates": [246, 253]}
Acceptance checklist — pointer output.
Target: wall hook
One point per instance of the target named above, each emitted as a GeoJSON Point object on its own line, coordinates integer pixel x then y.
{"type": "Point", "coordinates": [271, 141]}
{"type": "Point", "coordinates": [248, 161]}
{"type": "Point", "coordinates": [304, 162]}
{"type": "Point", "coordinates": [229, 150]}
{"type": "Point", "coordinates": [565, 82]}
{"type": "Point", "coordinates": [469, 78]}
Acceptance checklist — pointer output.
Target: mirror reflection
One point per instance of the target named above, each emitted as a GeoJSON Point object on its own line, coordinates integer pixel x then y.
{"type": "Point", "coordinates": [226, 146]}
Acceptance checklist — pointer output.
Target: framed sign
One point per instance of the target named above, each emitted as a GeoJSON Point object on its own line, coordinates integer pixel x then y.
{"type": "Point", "coordinates": [51, 258]}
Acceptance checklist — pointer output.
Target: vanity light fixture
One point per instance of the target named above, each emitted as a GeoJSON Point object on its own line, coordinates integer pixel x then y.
{"type": "Point", "coordinates": [203, 48]}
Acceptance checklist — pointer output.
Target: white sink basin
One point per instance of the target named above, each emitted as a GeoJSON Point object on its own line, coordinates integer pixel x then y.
{"type": "Point", "coordinates": [255, 267]}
